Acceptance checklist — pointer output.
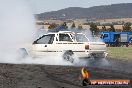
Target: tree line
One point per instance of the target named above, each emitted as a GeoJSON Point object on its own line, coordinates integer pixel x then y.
{"type": "Point", "coordinates": [94, 29]}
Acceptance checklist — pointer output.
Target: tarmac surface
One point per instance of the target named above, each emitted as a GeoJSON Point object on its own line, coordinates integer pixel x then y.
{"type": "Point", "coordinates": [55, 76]}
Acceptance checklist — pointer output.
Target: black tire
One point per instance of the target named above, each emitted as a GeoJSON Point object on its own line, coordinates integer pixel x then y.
{"type": "Point", "coordinates": [68, 56]}
{"type": "Point", "coordinates": [22, 53]}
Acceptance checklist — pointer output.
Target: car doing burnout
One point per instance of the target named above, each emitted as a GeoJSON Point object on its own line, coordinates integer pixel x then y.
{"type": "Point", "coordinates": [68, 43]}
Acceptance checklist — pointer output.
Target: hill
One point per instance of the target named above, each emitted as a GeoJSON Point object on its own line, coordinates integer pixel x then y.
{"type": "Point", "coordinates": [97, 12]}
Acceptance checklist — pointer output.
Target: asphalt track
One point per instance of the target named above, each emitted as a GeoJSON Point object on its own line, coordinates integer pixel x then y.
{"type": "Point", "coordinates": [51, 76]}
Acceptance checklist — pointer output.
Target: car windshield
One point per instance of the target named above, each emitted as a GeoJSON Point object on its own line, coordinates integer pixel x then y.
{"type": "Point", "coordinates": [81, 38]}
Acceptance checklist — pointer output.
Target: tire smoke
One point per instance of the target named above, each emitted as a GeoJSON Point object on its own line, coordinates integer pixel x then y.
{"type": "Point", "coordinates": [17, 27]}
{"type": "Point", "coordinates": [17, 30]}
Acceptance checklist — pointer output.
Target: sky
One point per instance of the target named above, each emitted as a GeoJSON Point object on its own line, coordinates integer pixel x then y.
{"type": "Point", "coordinates": [40, 6]}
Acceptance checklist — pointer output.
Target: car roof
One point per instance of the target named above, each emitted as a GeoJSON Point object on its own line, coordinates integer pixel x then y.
{"type": "Point", "coordinates": [61, 32]}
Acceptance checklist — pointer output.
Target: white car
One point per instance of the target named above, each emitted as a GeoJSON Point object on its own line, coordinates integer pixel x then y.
{"type": "Point", "coordinates": [68, 43]}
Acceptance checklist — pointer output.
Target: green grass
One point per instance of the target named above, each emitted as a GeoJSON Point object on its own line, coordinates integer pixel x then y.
{"type": "Point", "coordinates": [120, 52]}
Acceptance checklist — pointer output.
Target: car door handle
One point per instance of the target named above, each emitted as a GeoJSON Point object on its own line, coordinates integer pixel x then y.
{"type": "Point", "coordinates": [45, 46]}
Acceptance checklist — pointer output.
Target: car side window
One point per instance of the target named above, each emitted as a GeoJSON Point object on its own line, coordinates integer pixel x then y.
{"type": "Point", "coordinates": [46, 39]}
{"type": "Point", "coordinates": [81, 38]}
{"type": "Point", "coordinates": [64, 37]}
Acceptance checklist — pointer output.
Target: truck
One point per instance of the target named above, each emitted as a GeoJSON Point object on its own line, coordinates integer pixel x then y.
{"type": "Point", "coordinates": [68, 44]}
{"type": "Point", "coordinates": [116, 38]}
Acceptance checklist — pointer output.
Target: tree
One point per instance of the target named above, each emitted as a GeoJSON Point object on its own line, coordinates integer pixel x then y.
{"type": "Point", "coordinates": [65, 25]}
{"type": "Point", "coordinates": [127, 26]}
{"type": "Point", "coordinates": [94, 29]}
{"type": "Point", "coordinates": [73, 25]}
{"type": "Point", "coordinates": [52, 26]}
{"type": "Point", "coordinates": [104, 28]}
{"type": "Point", "coordinates": [80, 26]}
{"type": "Point", "coordinates": [112, 29]}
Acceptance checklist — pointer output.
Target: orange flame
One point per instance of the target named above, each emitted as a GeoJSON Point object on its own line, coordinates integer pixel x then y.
{"type": "Point", "coordinates": [84, 73]}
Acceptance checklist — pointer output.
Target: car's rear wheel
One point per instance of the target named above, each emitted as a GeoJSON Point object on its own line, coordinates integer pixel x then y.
{"type": "Point", "coordinates": [68, 56]}
{"type": "Point", "coordinates": [98, 60]}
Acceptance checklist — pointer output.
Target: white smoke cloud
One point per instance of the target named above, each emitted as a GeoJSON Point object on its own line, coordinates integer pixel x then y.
{"type": "Point", "coordinates": [16, 24]}
{"type": "Point", "coordinates": [17, 28]}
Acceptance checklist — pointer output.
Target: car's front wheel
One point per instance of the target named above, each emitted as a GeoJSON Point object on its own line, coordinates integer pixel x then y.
{"type": "Point", "coordinates": [22, 53]}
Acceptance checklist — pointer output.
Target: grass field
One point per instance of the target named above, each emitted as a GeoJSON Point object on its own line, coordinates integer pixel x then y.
{"type": "Point", "coordinates": [120, 52]}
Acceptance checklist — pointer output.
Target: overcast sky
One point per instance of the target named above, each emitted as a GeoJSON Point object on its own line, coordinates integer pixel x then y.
{"type": "Point", "coordinates": [40, 6]}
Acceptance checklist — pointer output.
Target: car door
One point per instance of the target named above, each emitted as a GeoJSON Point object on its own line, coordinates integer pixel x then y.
{"type": "Point", "coordinates": [65, 42]}
{"type": "Point", "coordinates": [41, 45]}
